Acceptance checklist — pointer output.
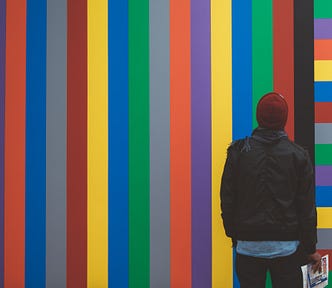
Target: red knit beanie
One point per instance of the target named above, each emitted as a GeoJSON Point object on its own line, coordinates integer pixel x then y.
{"type": "Point", "coordinates": [272, 111]}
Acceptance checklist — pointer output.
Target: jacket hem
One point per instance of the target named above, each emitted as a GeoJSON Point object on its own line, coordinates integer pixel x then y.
{"type": "Point", "coordinates": [267, 235]}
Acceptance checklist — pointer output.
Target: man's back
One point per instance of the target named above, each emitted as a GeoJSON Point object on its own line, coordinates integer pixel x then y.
{"type": "Point", "coordinates": [268, 201]}
{"type": "Point", "coordinates": [269, 174]}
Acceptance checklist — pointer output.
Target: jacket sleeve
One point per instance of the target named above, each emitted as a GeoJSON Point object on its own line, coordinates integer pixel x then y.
{"type": "Point", "coordinates": [227, 195]}
{"type": "Point", "coordinates": [306, 207]}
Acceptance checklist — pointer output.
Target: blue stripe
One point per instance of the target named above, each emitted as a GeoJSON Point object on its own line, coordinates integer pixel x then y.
{"type": "Point", "coordinates": [242, 68]}
{"type": "Point", "coordinates": [324, 196]}
{"type": "Point", "coordinates": [2, 130]}
{"type": "Point", "coordinates": [236, 283]}
{"type": "Point", "coordinates": [35, 145]}
{"type": "Point", "coordinates": [118, 239]}
{"type": "Point", "coordinates": [241, 77]}
{"type": "Point", "coordinates": [323, 91]}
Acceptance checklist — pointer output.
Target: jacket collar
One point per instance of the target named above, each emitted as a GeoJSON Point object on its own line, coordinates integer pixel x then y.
{"type": "Point", "coordinates": [268, 136]}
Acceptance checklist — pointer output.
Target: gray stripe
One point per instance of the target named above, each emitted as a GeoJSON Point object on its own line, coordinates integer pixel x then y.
{"type": "Point", "coordinates": [324, 238]}
{"type": "Point", "coordinates": [56, 121]}
{"type": "Point", "coordinates": [323, 133]}
{"type": "Point", "coordinates": [159, 145]}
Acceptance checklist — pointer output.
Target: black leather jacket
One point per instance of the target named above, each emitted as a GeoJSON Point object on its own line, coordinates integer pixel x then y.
{"type": "Point", "coordinates": [268, 191]}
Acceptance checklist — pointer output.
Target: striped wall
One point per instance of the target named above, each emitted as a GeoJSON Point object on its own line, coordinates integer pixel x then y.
{"type": "Point", "coordinates": [323, 120]}
{"type": "Point", "coordinates": [115, 117]}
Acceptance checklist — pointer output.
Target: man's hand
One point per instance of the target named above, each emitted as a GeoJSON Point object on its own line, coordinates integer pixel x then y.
{"type": "Point", "coordinates": [314, 260]}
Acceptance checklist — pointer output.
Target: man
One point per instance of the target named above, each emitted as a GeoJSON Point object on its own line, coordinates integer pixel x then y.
{"type": "Point", "coordinates": [268, 202]}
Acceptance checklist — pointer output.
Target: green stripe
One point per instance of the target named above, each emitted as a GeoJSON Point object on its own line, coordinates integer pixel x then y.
{"type": "Point", "coordinates": [262, 51]}
{"type": "Point", "coordinates": [268, 283]}
{"type": "Point", "coordinates": [323, 154]}
{"type": "Point", "coordinates": [139, 243]}
{"type": "Point", "coordinates": [323, 9]}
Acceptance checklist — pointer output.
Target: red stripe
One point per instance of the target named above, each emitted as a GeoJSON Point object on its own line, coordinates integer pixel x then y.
{"type": "Point", "coordinates": [323, 252]}
{"type": "Point", "coordinates": [180, 162]}
{"type": "Point", "coordinates": [15, 144]}
{"type": "Point", "coordinates": [283, 47]}
{"type": "Point", "coordinates": [77, 144]}
{"type": "Point", "coordinates": [323, 112]}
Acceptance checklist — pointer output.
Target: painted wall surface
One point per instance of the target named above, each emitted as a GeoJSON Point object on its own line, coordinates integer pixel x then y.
{"type": "Point", "coordinates": [323, 119]}
{"type": "Point", "coordinates": [115, 117]}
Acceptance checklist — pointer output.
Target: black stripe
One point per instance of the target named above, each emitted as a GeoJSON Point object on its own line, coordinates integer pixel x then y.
{"type": "Point", "coordinates": [304, 75]}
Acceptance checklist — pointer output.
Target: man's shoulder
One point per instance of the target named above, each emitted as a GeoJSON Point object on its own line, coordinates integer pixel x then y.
{"type": "Point", "coordinates": [298, 148]}
{"type": "Point", "coordinates": [238, 145]}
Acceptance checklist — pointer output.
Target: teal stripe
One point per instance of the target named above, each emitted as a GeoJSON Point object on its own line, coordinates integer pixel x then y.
{"type": "Point", "coordinates": [268, 283]}
{"type": "Point", "coordinates": [323, 9]}
{"type": "Point", "coordinates": [262, 51]}
{"type": "Point", "coordinates": [139, 171]}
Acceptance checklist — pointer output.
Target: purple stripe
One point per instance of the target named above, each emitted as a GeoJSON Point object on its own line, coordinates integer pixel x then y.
{"type": "Point", "coordinates": [201, 143]}
{"type": "Point", "coordinates": [323, 175]}
{"type": "Point", "coordinates": [2, 130]}
{"type": "Point", "coordinates": [323, 29]}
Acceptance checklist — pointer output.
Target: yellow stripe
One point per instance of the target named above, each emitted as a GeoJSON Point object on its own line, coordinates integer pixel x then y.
{"type": "Point", "coordinates": [324, 217]}
{"type": "Point", "coordinates": [97, 144]}
{"type": "Point", "coordinates": [323, 70]}
{"type": "Point", "coordinates": [221, 65]}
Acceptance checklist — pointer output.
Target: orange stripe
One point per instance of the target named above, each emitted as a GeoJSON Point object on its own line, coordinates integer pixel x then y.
{"type": "Point", "coordinates": [283, 23]}
{"type": "Point", "coordinates": [323, 112]}
{"type": "Point", "coordinates": [323, 49]}
{"type": "Point", "coordinates": [15, 144]}
{"type": "Point", "coordinates": [180, 162]}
